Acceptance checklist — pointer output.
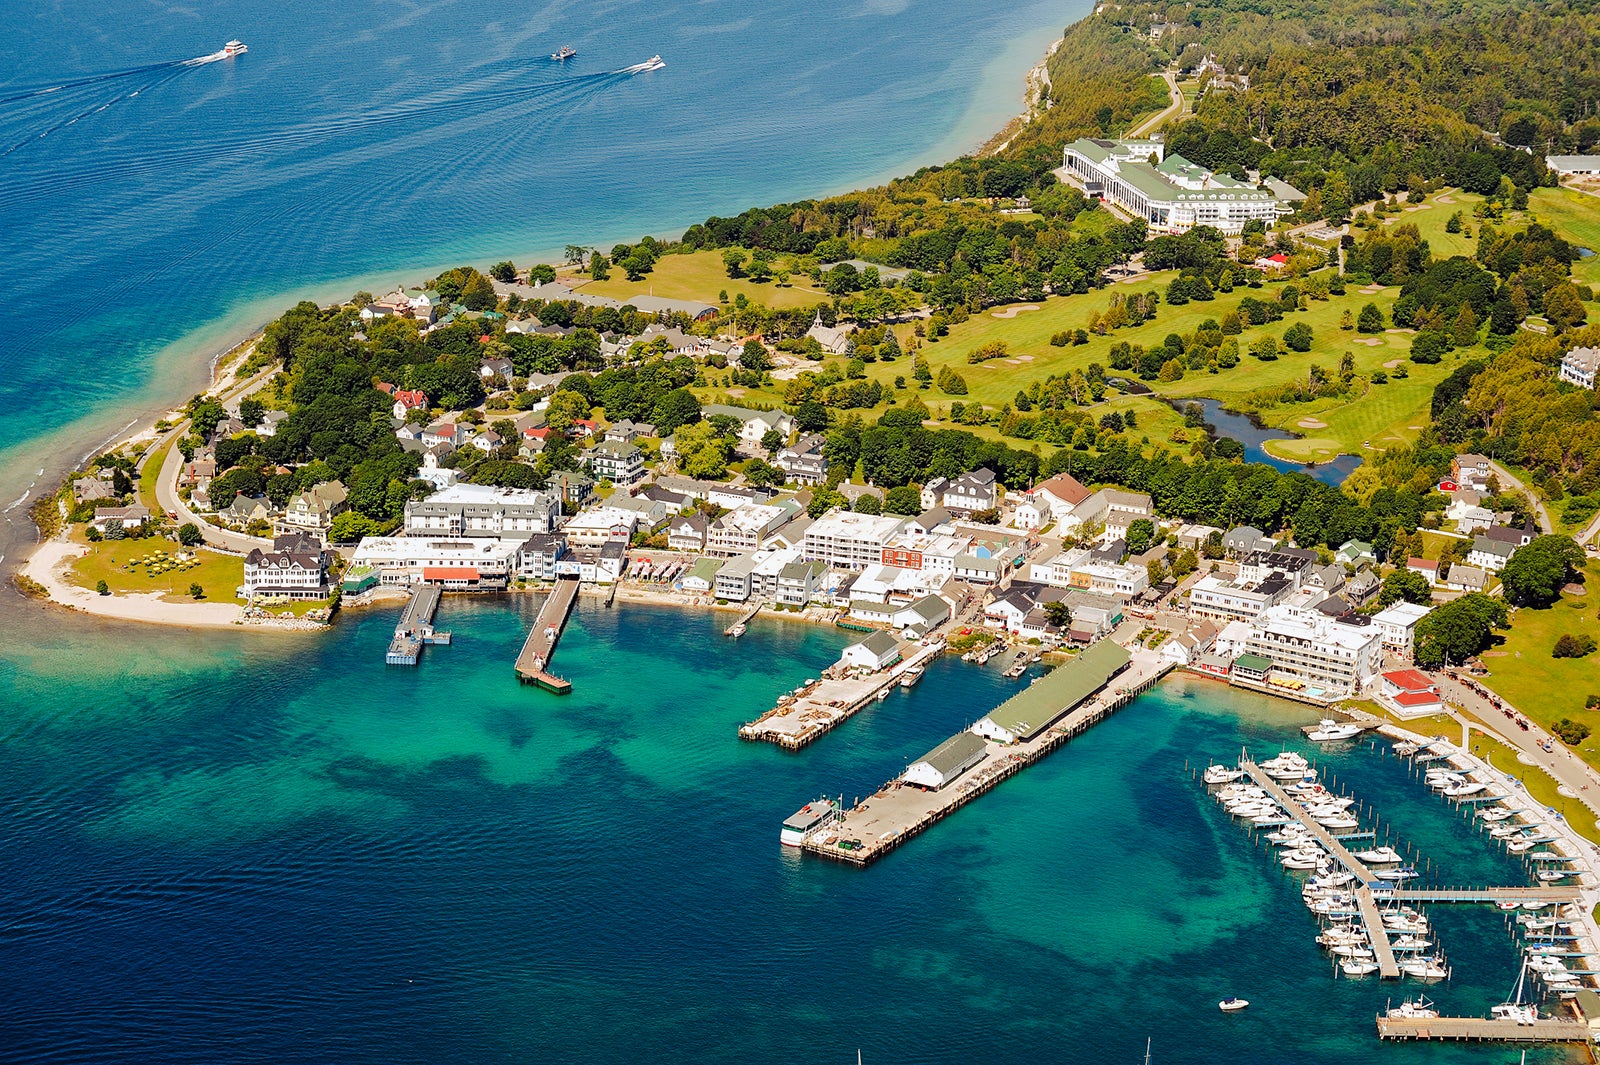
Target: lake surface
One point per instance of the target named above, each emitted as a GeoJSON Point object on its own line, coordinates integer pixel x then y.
{"type": "Point", "coordinates": [152, 212]}
{"type": "Point", "coordinates": [233, 849]}
{"type": "Point", "coordinates": [1240, 427]}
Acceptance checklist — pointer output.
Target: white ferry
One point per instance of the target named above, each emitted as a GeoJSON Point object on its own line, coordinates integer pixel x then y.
{"type": "Point", "coordinates": [565, 53]}
{"type": "Point", "coordinates": [807, 819]}
{"type": "Point", "coordinates": [233, 48]}
{"type": "Point", "coordinates": [909, 678]}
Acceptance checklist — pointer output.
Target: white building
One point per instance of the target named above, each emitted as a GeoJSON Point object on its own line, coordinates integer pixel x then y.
{"type": "Point", "coordinates": [946, 762]}
{"type": "Point", "coordinates": [618, 463]}
{"type": "Point", "coordinates": [1223, 600]}
{"type": "Point", "coordinates": [753, 424]}
{"type": "Point", "coordinates": [1334, 655]}
{"type": "Point", "coordinates": [1123, 509]}
{"type": "Point", "coordinates": [744, 529]}
{"type": "Point", "coordinates": [405, 560]}
{"type": "Point", "coordinates": [295, 568]}
{"type": "Point", "coordinates": [592, 528]}
{"type": "Point", "coordinates": [481, 510]}
{"type": "Point", "coordinates": [875, 651]}
{"type": "Point", "coordinates": [1167, 191]}
{"type": "Point", "coordinates": [848, 540]}
{"type": "Point", "coordinates": [1079, 568]}
{"type": "Point", "coordinates": [1579, 365]}
{"type": "Point", "coordinates": [1397, 626]}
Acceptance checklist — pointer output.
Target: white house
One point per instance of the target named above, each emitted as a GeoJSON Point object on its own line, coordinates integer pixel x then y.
{"type": "Point", "coordinates": [295, 568]}
{"type": "Point", "coordinates": [875, 651]}
{"type": "Point", "coordinates": [1397, 625]}
{"type": "Point", "coordinates": [1578, 366]}
{"type": "Point", "coordinates": [947, 761]}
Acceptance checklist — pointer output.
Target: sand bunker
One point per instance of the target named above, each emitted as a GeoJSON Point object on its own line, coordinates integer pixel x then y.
{"type": "Point", "coordinates": [1012, 312]}
{"type": "Point", "coordinates": [1411, 332]}
{"type": "Point", "coordinates": [1392, 363]}
{"type": "Point", "coordinates": [1311, 423]}
{"type": "Point", "coordinates": [1372, 290]}
{"type": "Point", "coordinates": [1370, 342]}
{"type": "Point", "coordinates": [1444, 198]}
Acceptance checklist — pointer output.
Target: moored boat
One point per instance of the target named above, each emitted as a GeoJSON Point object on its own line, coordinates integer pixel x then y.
{"type": "Point", "coordinates": [806, 820]}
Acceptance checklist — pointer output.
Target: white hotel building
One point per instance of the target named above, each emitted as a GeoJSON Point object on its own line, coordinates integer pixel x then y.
{"type": "Point", "coordinates": [1172, 194]}
{"type": "Point", "coordinates": [1339, 657]}
{"type": "Point", "coordinates": [849, 540]}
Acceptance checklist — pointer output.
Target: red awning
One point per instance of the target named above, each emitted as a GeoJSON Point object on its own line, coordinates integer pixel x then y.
{"type": "Point", "coordinates": [450, 573]}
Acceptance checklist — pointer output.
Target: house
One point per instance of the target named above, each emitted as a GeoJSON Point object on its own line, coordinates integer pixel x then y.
{"type": "Point", "coordinates": [1470, 471]}
{"type": "Point", "coordinates": [978, 569]}
{"type": "Point", "coordinates": [876, 651]}
{"type": "Point", "coordinates": [574, 489]}
{"type": "Point", "coordinates": [93, 489]}
{"type": "Point", "coordinates": [744, 529]}
{"type": "Point", "coordinates": [609, 564]}
{"type": "Point", "coordinates": [538, 555]}
{"type": "Point", "coordinates": [1086, 517]}
{"type": "Point", "coordinates": [108, 518]}
{"type": "Point", "coordinates": [929, 520]}
{"type": "Point", "coordinates": [1356, 553]}
{"type": "Point", "coordinates": [486, 441]}
{"type": "Point", "coordinates": [1058, 495]}
{"type": "Point", "coordinates": [1194, 537]}
{"type": "Point", "coordinates": [800, 582]}
{"type": "Point", "coordinates": [443, 433]}
{"type": "Point", "coordinates": [1125, 508]}
{"type": "Point", "coordinates": [1490, 553]}
{"type": "Point", "coordinates": [803, 462]}
{"type": "Point", "coordinates": [1425, 566]}
{"type": "Point", "coordinates": [652, 513]}
{"type": "Point", "coordinates": [408, 400]}
{"type": "Point", "coordinates": [734, 578]}
{"type": "Point", "coordinates": [495, 367]}
{"type": "Point", "coordinates": [618, 463]}
{"type": "Point", "coordinates": [753, 424]}
{"type": "Point", "coordinates": [1038, 706]}
{"type": "Point", "coordinates": [922, 616]}
{"type": "Point", "coordinates": [1397, 626]}
{"type": "Point", "coordinates": [246, 509]}
{"type": "Point", "coordinates": [626, 431]}
{"type": "Point", "coordinates": [1409, 693]}
{"type": "Point", "coordinates": [1472, 519]}
{"type": "Point", "coordinates": [834, 340]}
{"type": "Point", "coordinates": [295, 568]}
{"type": "Point", "coordinates": [1245, 540]}
{"type": "Point", "coordinates": [1185, 648]}
{"type": "Point", "coordinates": [312, 511]}
{"type": "Point", "coordinates": [270, 420]}
{"type": "Point", "coordinates": [687, 533]}
{"type": "Point", "coordinates": [1465, 578]}
{"type": "Point", "coordinates": [972, 492]}
{"type": "Point", "coordinates": [1362, 586]}
{"type": "Point", "coordinates": [946, 762]}
{"type": "Point", "coordinates": [702, 576]}
{"type": "Point", "coordinates": [1578, 367]}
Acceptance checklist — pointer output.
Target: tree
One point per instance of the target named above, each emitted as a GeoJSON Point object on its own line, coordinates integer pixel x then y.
{"type": "Point", "coordinates": [478, 294]}
{"type": "Point", "coordinates": [772, 441]}
{"type": "Point", "coordinates": [811, 416]}
{"type": "Point", "coordinates": [1058, 614]}
{"type": "Point", "coordinates": [600, 267]}
{"type": "Point", "coordinates": [867, 503]}
{"type": "Point", "coordinates": [566, 407]}
{"type": "Point", "coordinates": [541, 274]}
{"type": "Point", "coordinates": [702, 451]}
{"type": "Point", "coordinates": [1298, 337]}
{"type": "Point", "coordinates": [189, 534]}
{"type": "Point", "coordinates": [1370, 320]}
{"type": "Point", "coordinates": [903, 499]}
{"type": "Point", "coordinates": [251, 411]}
{"type": "Point", "coordinates": [196, 592]}
{"type": "Point", "coordinates": [1140, 534]}
{"type": "Point", "coordinates": [102, 587]}
{"type": "Point", "coordinates": [1535, 573]}
{"type": "Point", "coordinates": [1570, 732]}
{"type": "Point", "coordinates": [754, 356]}
{"type": "Point", "coordinates": [761, 473]}
{"type": "Point", "coordinates": [349, 527]}
{"type": "Point", "coordinates": [1458, 630]}
{"type": "Point", "coordinates": [1562, 308]}
{"type": "Point", "coordinates": [1405, 584]}
{"type": "Point", "coordinates": [1570, 646]}
{"type": "Point", "coordinates": [503, 271]}
{"type": "Point", "coordinates": [1264, 348]}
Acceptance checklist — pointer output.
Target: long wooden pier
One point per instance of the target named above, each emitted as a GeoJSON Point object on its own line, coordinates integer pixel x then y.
{"type": "Point", "coordinates": [533, 663]}
{"type": "Point", "coordinates": [898, 812]}
{"type": "Point", "coordinates": [415, 627]}
{"type": "Point", "coordinates": [1480, 1030]}
{"type": "Point", "coordinates": [827, 703]}
{"type": "Point", "coordinates": [1488, 894]}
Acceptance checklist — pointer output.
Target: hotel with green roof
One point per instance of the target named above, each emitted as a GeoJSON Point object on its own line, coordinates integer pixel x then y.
{"type": "Point", "coordinates": [1168, 191]}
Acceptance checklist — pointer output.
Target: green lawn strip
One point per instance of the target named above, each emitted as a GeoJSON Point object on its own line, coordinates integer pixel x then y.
{"type": "Point", "coordinates": [150, 475]}
{"type": "Point", "coordinates": [701, 276]}
{"type": "Point", "coordinates": [114, 561]}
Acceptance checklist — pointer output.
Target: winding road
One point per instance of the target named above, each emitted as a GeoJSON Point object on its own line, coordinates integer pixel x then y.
{"type": "Point", "coordinates": [1173, 110]}
{"type": "Point", "coordinates": [1539, 512]}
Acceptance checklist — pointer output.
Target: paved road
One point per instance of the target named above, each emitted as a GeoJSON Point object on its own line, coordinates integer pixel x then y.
{"type": "Point", "coordinates": [1173, 110]}
{"type": "Point", "coordinates": [1508, 481]}
{"type": "Point", "coordinates": [1589, 531]}
{"type": "Point", "coordinates": [1567, 768]}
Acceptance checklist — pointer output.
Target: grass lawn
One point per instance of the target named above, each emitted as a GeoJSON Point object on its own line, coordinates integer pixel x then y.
{"type": "Point", "coordinates": [1546, 688]}
{"type": "Point", "coordinates": [150, 474]}
{"type": "Point", "coordinates": [1541, 786]}
{"type": "Point", "coordinates": [1576, 216]}
{"type": "Point", "coordinates": [701, 276]}
{"type": "Point", "coordinates": [116, 563]}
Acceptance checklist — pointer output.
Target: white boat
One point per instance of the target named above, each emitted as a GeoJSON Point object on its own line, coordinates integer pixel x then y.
{"type": "Point", "coordinates": [1402, 872]}
{"type": "Point", "coordinates": [1505, 831]}
{"type": "Point", "coordinates": [1514, 1010]}
{"type": "Point", "coordinates": [1330, 731]}
{"type": "Point", "coordinates": [1536, 904]}
{"type": "Point", "coordinates": [1445, 781]}
{"type": "Point", "coordinates": [565, 53]}
{"type": "Point", "coordinates": [1413, 925]}
{"type": "Point", "coordinates": [1221, 774]}
{"type": "Point", "coordinates": [1337, 823]}
{"type": "Point", "coordinates": [806, 820]}
{"type": "Point", "coordinates": [233, 48]}
{"type": "Point", "coordinates": [1495, 814]}
{"type": "Point", "coordinates": [1405, 750]}
{"type": "Point", "coordinates": [1521, 846]}
{"type": "Point", "coordinates": [1425, 968]}
{"type": "Point", "coordinates": [1410, 942]}
{"type": "Point", "coordinates": [1299, 860]}
{"type": "Point", "coordinates": [1350, 950]}
{"type": "Point", "coordinates": [1379, 856]}
{"type": "Point", "coordinates": [1230, 1005]}
{"type": "Point", "coordinates": [1462, 790]}
{"type": "Point", "coordinates": [1289, 833]}
{"type": "Point", "coordinates": [1358, 967]}
{"type": "Point", "coordinates": [909, 678]}
{"type": "Point", "coordinates": [1550, 876]}
{"type": "Point", "coordinates": [1421, 1009]}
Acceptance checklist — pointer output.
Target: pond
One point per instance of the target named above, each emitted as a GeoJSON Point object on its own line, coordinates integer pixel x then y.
{"type": "Point", "coordinates": [1249, 431]}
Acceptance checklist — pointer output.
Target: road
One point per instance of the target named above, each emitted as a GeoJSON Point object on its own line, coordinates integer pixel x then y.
{"type": "Point", "coordinates": [1570, 771]}
{"type": "Point", "coordinates": [1589, 531]}
{"type": "Point", "coordinates": [167, 497]}
{"type": "Point", "coordinates": [1508, 481]}
{"type": "Point", "coordinates": [1173, 110]}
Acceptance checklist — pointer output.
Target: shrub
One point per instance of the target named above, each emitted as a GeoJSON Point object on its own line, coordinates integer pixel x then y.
{"type": "Point", "coordinates": [1061, 339]}
{"type": "Point", "coordinates": [1569, 732]}
{"type": "Point", "coordinates": [197, 592]}
{"type": "Point", "coordinates": [1298, 337]}
{"type": "Point", "coordinates": [1569, 646]}
{"type": "Point", "coordinates": [1370, 319]}
{"type": "Point", "coordinates": [994, 349]}
{"type": "Point", "coordinates": [188, 534]}
{"type": "Point", "coordinates": [1592, 702]}
{"type": "Point", "coordinates": [102, 587]}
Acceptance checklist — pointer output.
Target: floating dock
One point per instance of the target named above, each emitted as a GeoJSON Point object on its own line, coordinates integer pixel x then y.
{"type": "Point", "coordinates": [822, 705]}
{"type": "Point", "coordinates": [415, 627]}
{"type": "Point", "coordinates": [533, 663]}
{"type": "Point", "coordinates": [900, 811]}
{"type": "Point", "coordinates": [1480, 1030]}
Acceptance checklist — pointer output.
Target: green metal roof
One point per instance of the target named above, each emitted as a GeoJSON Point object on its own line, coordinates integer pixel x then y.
{"type": "Point", "coordinates": [1254, 663]}
{"type": "Point", "coordinates": [706, 569]}
{"type": "Point", "coordinates": [954, 753]}
{"type": "Point", "coordinates": [1033, 709]}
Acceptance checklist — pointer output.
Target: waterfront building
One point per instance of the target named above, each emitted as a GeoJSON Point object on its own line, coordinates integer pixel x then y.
{"type": "Point", "coordinates": [1038, 706]}
{"type": "Point", "coordinates": [702, 576]}
{"type": "Point", "coordinates": [1338, 655]}
{"type": "Point", "coordinates": [1167, 191]}
{"type": "Point", "coordinates": [478, 562]}
{"type": "Point", "coordinates": [107, 518]}
{"type": "Point", "coordinates": [1579, 366]}
{"type": "Point", "coordinates": [1410, 693]}
{"type": "Point", "coordinates": [1219, 599]}
{"type": "Point", "coordinates": [596, 526]}
{"type": "Point", "coordinates": [312, 511]}
{"type": "Point", "coordinates": [733, 579]}
{"type": "Point", "coordinates": [472, 510]}
{"type": "Point", "coordinates": [849, 540]}
{"type": "Point", "coordinates": [946, 762]}
{"type": "Point", "coordinates": [744, 529]}
{"type": "Point", "coordinates": [800, 582]}
{"type": "Point", "coordinates": [687, 533]}
{"type": "Point", "coordinates": [295, 568]}
{"type": "Point", "coordinates": [1397, 626]}
{"type": "Point", "coordinates": [874, 651]}
{"type": "Point", "coordinates": [539, 554]}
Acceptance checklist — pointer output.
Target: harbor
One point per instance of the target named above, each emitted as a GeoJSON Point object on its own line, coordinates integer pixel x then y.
{"type": "Point", "coordinates": [819, 706]}
{"type": "Point", "coordinates": [1042, 717]}
{"type": "Point", "coordinates": [533, 662]}
{"type": "Point", "coordinates": [415, 628]}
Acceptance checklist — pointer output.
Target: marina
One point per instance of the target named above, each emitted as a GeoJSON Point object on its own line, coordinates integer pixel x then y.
{"type": "Point", "coordinates": [533, 662]}
{"type": "Point", "coordinates": [415, 628]}
{"type": "Point", "coordinates": [1064, 704]}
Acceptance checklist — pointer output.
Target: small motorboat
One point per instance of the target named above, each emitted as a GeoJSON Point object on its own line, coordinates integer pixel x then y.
{"type": "Point", "coordinates": [1462, 790]}
{"type": "Point", "coordinates": [1337, 823]}
{"type": "Point", "coordinates": [565, 53]}
{"type": "Point", "coordinates": [1550, 876]}
{"type": "Point", "coordinates": [1358, 967]}
{"type": "Point", "coordinates": [1426, 967]}
{"type": "Point", "coordinates": [1421, 1009]}
{"type": "Point", "coordinates": [1536, 904]}
{"type": "Point", "coordinates": [1379, 856]}
{"type": "Point", "coordinates": [1410, 942]}
{"type": "Point", "coordinates": [1232, 1005]}
{"type": "Point", "coordinates": [1495, 814]}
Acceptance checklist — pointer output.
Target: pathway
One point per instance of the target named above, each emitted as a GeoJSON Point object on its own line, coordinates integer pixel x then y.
{"type": "Point", "coordinates": [1172, 111]}
{"type": "Point", "coordinates": [1507, 480]}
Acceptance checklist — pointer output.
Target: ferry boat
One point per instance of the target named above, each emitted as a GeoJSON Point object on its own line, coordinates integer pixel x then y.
{"type": "Point", "coordinates": [806, 820]}
{"type": "Point", "coordinates": [909, 678]}
{"type": "Point", "coordinates": [565, 53]}
{"type": "Point", "coordinates": [233, 48]}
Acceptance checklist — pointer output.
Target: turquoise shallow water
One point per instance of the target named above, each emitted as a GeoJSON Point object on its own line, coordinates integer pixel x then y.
{"type": "Point", "coordinates": [229, 849]}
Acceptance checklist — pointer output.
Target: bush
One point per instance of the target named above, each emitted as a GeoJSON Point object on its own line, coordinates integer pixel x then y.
{"type": "Point", "coordinates": [994, 349]}
{"type": "Point", "coordinates": [188, 534]}
{"type": "Point", "coordinates": [1570, 733]}
{"type": "Point", "coordinates": [197, 592]}
{"type": "Point", "coordinates": [1061, 339]}
{"type": "Point", "coordinates": [102, 587]}
{"type": "Point", "coordinates": [1298, 337]}
{"type": "Point", "coordinates": [1592, 702]}
{"type": "Point", "coordinates": [93, 535]}
{"type": "Point", "coordinates": [1569, 646]}
{"type": "Point", "coordinates": [1370, 320]}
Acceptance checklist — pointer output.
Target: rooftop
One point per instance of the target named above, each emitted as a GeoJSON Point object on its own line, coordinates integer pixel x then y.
{"type": "Point", "coordinates": [1032, 710]}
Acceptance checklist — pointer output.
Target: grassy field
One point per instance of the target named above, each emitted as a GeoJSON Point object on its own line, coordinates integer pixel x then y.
{"type": "Point", "coordinates": [701, 276]}
{"type": "Point", "coordinates": [1576, 216]}
{"type": "Point", "coordinates": [150, 474]}
{"type": "Point", "coordinates": [1546, 688]}
{"type": "Point", "coordinates": [117, 563]}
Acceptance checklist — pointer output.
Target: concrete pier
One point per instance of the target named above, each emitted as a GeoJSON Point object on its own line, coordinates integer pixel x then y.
{"type": "Point", "coordinates": [533, 663]}
{"type": "Point", "coordinates": [415, 627]}
{"type": "Point", "coordinates": [825, 704]}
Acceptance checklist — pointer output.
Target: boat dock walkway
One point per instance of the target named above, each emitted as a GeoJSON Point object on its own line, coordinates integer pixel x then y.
{"type": "Point", "coordinates": [1480, 1030]}
{"type": "Point", "coordinates": [415, 627]}
{"type": "Point", "coordinates": [822, 705]}
{"type": "Point", "coordinates": [1488, 894]}
{"type": "Point", "coordinates": [737, 628]}
{"type": "Point", "coordinates": [533, 663]}
{"type": "Point", "coordinates": [900, 811]}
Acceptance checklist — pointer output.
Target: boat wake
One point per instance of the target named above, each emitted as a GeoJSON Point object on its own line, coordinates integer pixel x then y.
{"type": "Point", "coordinates": [655, 62]}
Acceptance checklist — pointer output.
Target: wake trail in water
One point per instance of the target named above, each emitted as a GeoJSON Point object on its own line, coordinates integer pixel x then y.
{"type": "Point", "coordinates": [168, 73]}
{"type": "Point", "coordinates": [93, 79]}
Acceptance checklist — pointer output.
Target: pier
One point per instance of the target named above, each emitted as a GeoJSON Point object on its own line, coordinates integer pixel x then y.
{"type": "Point", "coordinates": [1077, 700]}
{"type": "Point", "coordinates": [415, 627]}
{"type": "Point", "coordinates": [823, 705]}
{"type": "Point", "coordinates": [533, 663]}
{"type": "Point", "coordinates": [1480, 1030]}
{"type": "Point", "coordinates": [737, 628]}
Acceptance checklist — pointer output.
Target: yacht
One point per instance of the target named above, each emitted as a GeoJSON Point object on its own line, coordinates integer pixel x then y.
{"type": "Point", "coordinates": [1300, 860]}
{"type": "Point", "coordinates": [1350, 950]}
{"type": "Point", "coordinates": [1409, 925]}
{"type": "Point", "coordinates": [1221, 774]}
{"type": "Point", "coordinates": [1358, 967]}
{"type": "Point", "coordinates": [1520, 846]}
{"type": "Point", "coordinates": [1514, 1010]}
{"type": "Point", "coordinates": [1379, 856]}
{"type": "Point", "coordinates": [1465, 788]}
{"type": "Point", "coordinates": [1410, 942]}
{"type": "Point", "coordinates": [909, 678]}
{"type": "Point", "coordinates": [1550, 876]}
{"type": "Point", "coordinates": [1329, 731]}
{"type": "Point", "coordinates": [807, 819]}
{"type": "Point", "coordinates": [233, 48]}
{"type": "Point", "coordinates": [565, 53]}
{"type": "Point", "coordinates": [1400, 872]}
{"type": "Point", "coordinates": [1230, 1004]}
{"type": "Point", "coordinates": [1421, 1009]}
{"type": "Point", "coordinates": [1426, 967]}
{"type": "Point", "coordinates": [1337, 822]}
{"type": "Point", "coordinates": [1496, 814]}
{"type": "Point", "coordinates": [1536, 904]}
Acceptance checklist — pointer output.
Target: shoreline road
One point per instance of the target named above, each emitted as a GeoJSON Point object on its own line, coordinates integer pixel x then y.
{"type": "Point", "coordinates": [1173, 110]}
{"type": "Point", "coordinates": [1571, 772]}
{"type": "Point", "coordinates": [1509, 481]}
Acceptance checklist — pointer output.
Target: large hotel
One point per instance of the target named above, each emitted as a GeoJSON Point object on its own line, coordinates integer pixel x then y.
{"type": "Point", "coordinates": [1172, 194]}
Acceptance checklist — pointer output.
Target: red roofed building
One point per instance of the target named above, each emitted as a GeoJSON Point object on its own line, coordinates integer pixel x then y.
{"type": "Point", "coordinates": [407, 400]}
{"type": "Point", "coordinates": [451, 576]}
{"type": "Point", "coordinates": [385, 387]}
{"type": "Point", "coordinates": [1410, 693]}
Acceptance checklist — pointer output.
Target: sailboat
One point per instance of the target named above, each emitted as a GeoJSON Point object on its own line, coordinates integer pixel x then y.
{"type": "Point", "coordinates": [1514, 1010]}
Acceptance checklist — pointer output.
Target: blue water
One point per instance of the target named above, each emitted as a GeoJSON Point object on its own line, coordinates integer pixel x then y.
{"type": "Point", "coordinates": [263, 850]}
{"type": "Point", "coordinates": [149, 218]}
{"type": "Point", "coordinates": [1225, 423]}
